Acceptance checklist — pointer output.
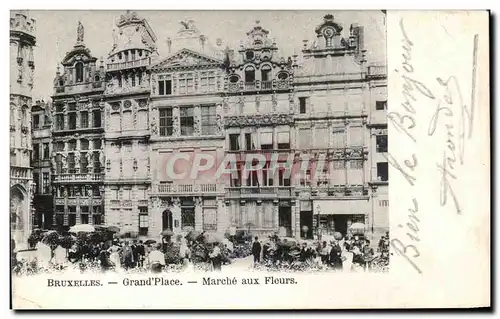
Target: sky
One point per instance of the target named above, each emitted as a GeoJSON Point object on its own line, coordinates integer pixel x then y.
{"type": "Point", "coordinates": [56, 32]}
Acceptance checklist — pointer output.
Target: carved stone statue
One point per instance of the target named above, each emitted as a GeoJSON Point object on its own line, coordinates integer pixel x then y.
{"type": "Point", "coordinates": [101, 158]}
{"type": "Point", "coordinates": [77, 160]}
{"type": "Point", "coordinates": [89, 159]}
{"type": "Point", "coordinates": [79, 33]}
{"type": "Point", "coordinates": [64, 162]}
{"type": "Point", "coordinates": [53, 163]}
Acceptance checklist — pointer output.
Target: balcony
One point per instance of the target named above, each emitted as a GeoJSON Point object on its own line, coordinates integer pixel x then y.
{"type": "Point", "coordinates": [260, 192]}
{"type": "Point", "coordinates": [186, 188]}
{"type": "Point", "coordinates": [80, 87]}
{"type": "Point", "coordinates": [259, 86]}
{"type": "Point", "coordinates": [128, 64]}
{"type": "Point", "coordinates": [78, 178]}
{"type": "Point", "coordinates": [377, 71]}
{"type": "Point", "coordinates": [78, 200]}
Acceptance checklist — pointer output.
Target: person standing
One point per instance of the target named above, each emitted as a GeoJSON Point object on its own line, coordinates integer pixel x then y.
{"type": "Point", "coordinates": [336, 256]}
{"type": "Point", "coordinates": [114, 256]}
{"type": "Point", "coordinates": [256, 249]}
{"type": "Point", "coordinates": [216, 257]}
{"type": "Point", "coordinates": [156, 259]}
{"type": "Point", "coordinates": [141, 253]}
{"type": "Point", "coordinates": [128, 256]}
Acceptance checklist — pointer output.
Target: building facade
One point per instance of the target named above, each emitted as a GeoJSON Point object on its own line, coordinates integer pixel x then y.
{"type": "Point", "coordinates": [316, 120]}
{"type": "Point", "coordinates": [127, 129]}
{"type": "Point", "coordinates": [43, 203]}
{"type": "Point", "coordinates": [22, 67]}
{"type": "Point", "coordinates": [338, 122]}
{"type": "Point", "coordinates": [77, 158]}
{"type": "Point", "coordinates": [259, 106]}
{"type": "Point", "coordinates": [186, 121]}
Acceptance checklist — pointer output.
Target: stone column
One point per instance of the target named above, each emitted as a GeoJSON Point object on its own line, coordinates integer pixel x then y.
{"type": "Point", "coordinates": [223, 222]}
{"type": "Point", "coordinates": [296, 225]}
{"type": "Point", "coordinates": [91, 118]}
{"type": "Point", "coordinates": [176, 130]}
{"type": "Point", "coordinates": [198, 214]}
{"type": "Point", "coordinates": [243, 213]}
{"type": "Point", "coordinates": [66, 122]}
{"type": "Point", "coordinates": [275, 215]}
{"type": "Point", "coordinates": [197, 120]}
{"type": "Point", "coordinates": [219, 114]}
{"type": "Point", "coordinates": [259, 220]}
{"type": "Point", "coordinates": [176, 214]}
{"type": "Point", "coordinates": [78, 120]}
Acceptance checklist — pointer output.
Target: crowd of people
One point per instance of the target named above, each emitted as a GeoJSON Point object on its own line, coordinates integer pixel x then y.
{"type": "Point", "coordinates": [351, 253]}
{"type": "Point", "coordinates": [179, 252]}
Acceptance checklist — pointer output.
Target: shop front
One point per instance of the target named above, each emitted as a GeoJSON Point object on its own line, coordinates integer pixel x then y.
{"type": "Point", "coordinates": [330, 216]}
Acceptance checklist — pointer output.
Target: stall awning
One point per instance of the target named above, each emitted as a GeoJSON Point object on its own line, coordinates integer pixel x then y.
{"type": "Point", "coordinates": [341, 207]}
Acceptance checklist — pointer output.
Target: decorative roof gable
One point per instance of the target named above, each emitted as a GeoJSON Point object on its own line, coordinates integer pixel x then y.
{"type": "Point", "coordinates": [187, 59]}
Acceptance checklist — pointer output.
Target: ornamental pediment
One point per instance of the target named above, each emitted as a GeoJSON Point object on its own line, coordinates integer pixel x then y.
{"type": "Point", "coordinates": [79, 53]}
{"type": "Point", "coordinates": [187, 59]}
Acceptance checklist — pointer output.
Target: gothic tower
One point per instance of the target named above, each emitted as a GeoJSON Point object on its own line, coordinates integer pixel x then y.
{"type": "Point", "coordinates": [22, 66]}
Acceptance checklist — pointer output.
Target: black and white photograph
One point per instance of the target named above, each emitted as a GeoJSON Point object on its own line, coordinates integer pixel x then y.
{"type": "Point", "coordinates": [148, 144]}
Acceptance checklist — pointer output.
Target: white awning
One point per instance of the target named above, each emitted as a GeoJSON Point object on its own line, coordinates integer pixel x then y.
{"type": "Point", "coordinates": [341, 207]}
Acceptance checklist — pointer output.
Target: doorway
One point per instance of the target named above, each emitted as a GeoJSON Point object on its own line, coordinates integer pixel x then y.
{"type": "Point", "coordinates": [167, 222]}
{"type": "Point", "coordinates": [306, 219]}
{"type": "Point", "coordinates": [285, 220]}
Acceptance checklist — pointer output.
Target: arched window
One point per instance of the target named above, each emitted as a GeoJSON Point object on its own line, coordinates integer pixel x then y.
{"type": "Point", "coordinates": [97, 78]}
{"type": "Point", "coordinates": [61, 82]}
{"type": "Point", "coordinates": [265, 73]}
{"type": "Point", "coordinates": [250, 74]}
{"type": "Point", "coordinates": [79, 72]}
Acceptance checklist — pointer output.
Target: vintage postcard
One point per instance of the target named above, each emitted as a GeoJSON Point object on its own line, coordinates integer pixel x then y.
{"type": "Point", "coordinates": [249, 159]}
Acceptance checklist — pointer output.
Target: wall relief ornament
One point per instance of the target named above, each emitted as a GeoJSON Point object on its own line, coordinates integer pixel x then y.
{"type": "Point", "coordinates": [258, 120]}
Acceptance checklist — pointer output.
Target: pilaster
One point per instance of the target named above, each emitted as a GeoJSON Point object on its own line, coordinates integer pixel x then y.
{"type": "Point", "coordinates": [198, 214]}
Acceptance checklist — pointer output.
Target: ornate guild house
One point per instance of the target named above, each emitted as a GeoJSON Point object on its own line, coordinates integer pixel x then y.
{"type": "Point", "coordinates": [22, 67]}
{"type": "Point", "coordinates": [119, 141]}
{"type": "Point", "coordinates": [77, 138]}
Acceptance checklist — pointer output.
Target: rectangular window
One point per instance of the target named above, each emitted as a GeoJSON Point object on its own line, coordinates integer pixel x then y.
{"type": "Point", "coordinates": [381, 105]}
{"type": "Point", "coordinates": [46, 151]}
{"type": "Point", "coordinates": [84, 145]}
{"type": "Point", "coordinates": [60, 219]}
{"type": "Point", "coordinates": [208, 120]}
{"type": "Point", "coordinates": [36, 180]}
{"type": "Point", "coordinates": [36, 121]}
{"type": "Point", "coordinates": [96, 117]}
{"type": "Point", "coordinates": [84, 119]}
{"type": "Point", "coordinates": [143, 221]}
{"type": "Point", "coordinates": [382, 172]}
{"type": "Point", "coordinates": [186, 83]}
{"type": "Point", "coordinates": [36, 152]}
{"type": "Point", "coordinates": [234, 142]}
{"type": "Point", "coordinates": [97, 144]}
{"type": "Point", "coordinates": [46, 183]}
{"type": "Point", "coordinates": [283, 179]}
{"type": "Point", "coordinates": [127, 193]}
{"type": "Point", "coordinates": [187, 121]}
{"type": "Point", "coordinates": [187, 213]}
{"type": "Point", "coordinates": [166, 122]}
{"type": "Point", "coordinates": [161, 87]}
{"type": "Point", "coordinates": [71, 107]}
{"type": "Point", "coordinates": [59, 122]}
{"type": "Point", "coordinates": [249, 142]}
{"type": "Point", "coordinates": [71, 163]}
{"type": "Point", "coordinates": [267, 175]}
{"type": "Point", "coordinates": [207, 82]}
{"type": "Point", "coordinates": [72, 145]}
{"type": "Point", "coordinates": [59, 107]}
{"type": "Point", "coordinates": [84, 218]}
{"type": "Point", "coordinates": [302, 105]}
{"type": "Point", "coordinates": [266, 141]}
{"type": "Point", "coordinates": [209, 218]}
{"type": "Point", "coordinates": [97, 219]}
{"type": "Point", "coordinates": [381, 143]}
{"type": "Point", "coordinates": [72, 219]}
{"type": "Point", "coordinates": [72, 120]}
{"type": "Point", "coordinates": [304, 138]}
{"type": "Point", "coordinates": [133, 79]}
{"type": "Point", "coordinates": [283, 140]}
{"type": "Point", "coordinates": [97, 163]}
